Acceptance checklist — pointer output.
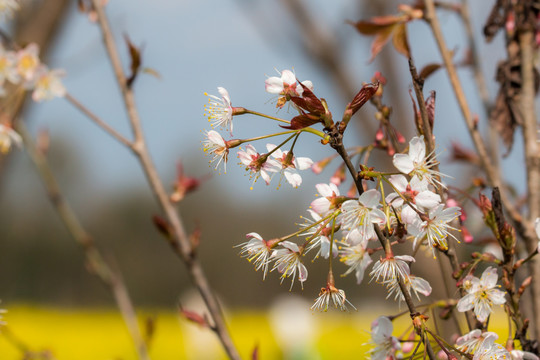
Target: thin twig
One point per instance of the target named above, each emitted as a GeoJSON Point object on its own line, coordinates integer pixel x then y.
{"type": "Point", "coordinates": [95, 260]}
{"type": "Point", "coordinates": [180, 239]}
{"type": "Point", "coordinates": [99, 122]}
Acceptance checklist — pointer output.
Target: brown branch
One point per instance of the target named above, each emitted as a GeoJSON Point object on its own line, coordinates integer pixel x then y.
{"type": "Point", "coordinates": [140, 149]}
{"type": "Point", "coordinates": [97, 264]}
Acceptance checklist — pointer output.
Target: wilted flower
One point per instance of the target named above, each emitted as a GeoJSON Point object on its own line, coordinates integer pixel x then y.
{"type": "Point", "coordinates": [381, 336]}
{"type": "Point", "coordinates": [356, 258]}
{"type": "Point", "coordinates": [336, 296]}
{"type": "Point", "coordinates": [219, 109]}
{"type": "Point", "coordinates": [47, 84]}
{"type": "Point", "coordinates": [8, 137]}
{"type": "Point", "coordinates": [319, 235]}
{"type": "Point", "coordinates": [258, 251]}
{"type": "Point", "coordinates": [416, 163]}
{"type": "Point", "coordinates": [288, 262]}
{"type": "Point", "coordinates": [482, 295]}
{"type": "Point", "coordinates": [389, 269]}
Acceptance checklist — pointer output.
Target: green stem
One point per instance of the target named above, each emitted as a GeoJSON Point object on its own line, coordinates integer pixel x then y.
{"type": "Point", "coordinates": [267, 116]}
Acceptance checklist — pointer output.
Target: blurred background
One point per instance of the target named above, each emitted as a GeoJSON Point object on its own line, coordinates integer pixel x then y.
{"type": "Point", "coordinates": [197, 46]}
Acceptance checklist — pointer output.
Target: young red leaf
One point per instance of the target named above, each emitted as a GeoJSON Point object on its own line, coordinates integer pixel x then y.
{"type": "Point", "coordinates": [365, 93]}
{"type": "Point", "coordinates": [194, 317]}
{"type": "Point", "coordinates": [302, 121]}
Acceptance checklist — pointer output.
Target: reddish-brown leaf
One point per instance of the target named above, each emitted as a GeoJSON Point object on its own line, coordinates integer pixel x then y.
{"type": "Point", "coordinates": [194, 317]}
{"type": "Point", "coordinates": [429, 69]}
{"type": "Point", "coordinates": [401, 44]}
{"type": "Point", "coordinates": [380, 40]}
{"type": "Point", "coordinates": [302, 121]}
{"type": "Point", "coordinates": [363, 96]}
{"type": "Point", "coordinates": [135, 55]}
{"type": "Point", "coordinates": [430, 108]}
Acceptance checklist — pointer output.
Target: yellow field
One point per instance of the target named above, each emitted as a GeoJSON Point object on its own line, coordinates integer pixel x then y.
{"type": "Point", "coordinates": [101, 335]}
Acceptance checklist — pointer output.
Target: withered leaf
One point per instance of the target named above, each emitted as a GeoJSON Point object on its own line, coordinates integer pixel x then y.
{"type": "Point", "coordinates": [401, 44]}
{"type": "Point", "coordinates": [135, 55]}
{"type": "Point", "coordinates": [429, 69]}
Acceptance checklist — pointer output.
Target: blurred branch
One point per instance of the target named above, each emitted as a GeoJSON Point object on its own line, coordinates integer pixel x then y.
{"type": "Point", "coordinates": [180, 238]}
{"type": "Point", "coordinates": [95, 261]}
{"type": "Point", "coordinates": [22, 347]}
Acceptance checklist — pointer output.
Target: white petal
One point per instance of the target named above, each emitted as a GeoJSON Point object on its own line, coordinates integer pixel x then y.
{"type": "Point", "coordinates": [417, 149]}
{"type": "Point", "coordinates": [403, 163]}
{"type": "Point", "coordinates": [224, 93]}
{"type": "Point", "coordinates": [273, 85]}
{"type": "Point", "coordinates": [302, 272]}
{"type": "Point", "coordinates": [409, 216]}
{"type": "Point", "coordinates": [290, 245]}
{"type": "Point", "coordinates": [288, 77]}
{"type": "Point", "coordinates": [466, 303]}
{"type": "Point", "coordinates": [370, 198]}
{"type": "Point", "coordinates": [304, 163]}
{"type": "Point", "coordinates": [422, 286]}
{"type": "Point", "coordinates": [254, 235]}
{"type": "Point", "coordinates": [427, 199]}
{"type": "Point", "coordinates": [293, 177]}
{"type": "Point", "coordinates": [489, 277]}
{"type": "Point", "coordinates": [377, 216]}
{"type": "Point", "coordinates": [400, 182]}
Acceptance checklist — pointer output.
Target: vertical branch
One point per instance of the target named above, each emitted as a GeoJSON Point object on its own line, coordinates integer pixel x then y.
{"type": "Point", "coordinates": [181, 241]}
{"type": "Point", "coordinates": [532, 156]}
{"type": "Point", "coordinates": [94, 258]}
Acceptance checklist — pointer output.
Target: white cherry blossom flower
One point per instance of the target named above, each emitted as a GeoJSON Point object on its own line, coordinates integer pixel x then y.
{"type": "Point", "coordinates": [215, 145]}
{"type": "Point", "coordinates": [489, 350]}
{"type": "Point", "coordinates": [47, 84]}
{"type": "Point", "coordinates": [286, 84]}
{"type": "Point", "coordinates": [8, 137]}
{"type": "Point", "coordinates": [389, 269]}
{"type": "Point", "coordinates": [219, 109]}
{"type": "Point", "coordinates": [436, 229]}
{"type": "Point", "coordinates": [320, 234]}
{"type": "Point", "coordinates": [290, 164]}
{"type": "Point", "coordinates": [411, 282]}
{"type": "Point", "coordinates": [331, 294]}
{"type": "Point", "coordinates": [256, 250]}
{"type": "Point", "coordinates": [416, 191]}
{"type": "Point", "coordinates": [326, 202]}
{"type": "Point", "coordinates": [288, 262]}
{"type": "Point", "coordinates": [482, 295]}
{"type": "Point", "coordinates": [386, 345]}
{"type": "Point", "coordinates": [416, 163]}
{"type": "Point", "coordinates": [28, 62]}
{"type": "Point", "coordinates": [356, 258]}
{"type": "Point", "coordinates": [471, 341]}
{"type": "Point", "coordinates": [8, 7]}
{"type": "Point", "coordinates": [258, 165]}
{"type": "Point", "coordinates": [361, 214]}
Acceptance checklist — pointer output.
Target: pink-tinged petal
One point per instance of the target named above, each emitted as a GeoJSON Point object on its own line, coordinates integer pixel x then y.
{"type": "Point", "coordinates": [349, 206]}
{"type": "Point", "coordinates": [417, 149]}
{"type": "Point", "coordinates": [466, 303]}
{"type": "Point", "coordinates": [290, 245]}
{"type": "Point", "coordinates": [293, 177]}
{"type": "Point", "coordinates": [272, 165]}
{"type": "Point", "coordinates": [266, 177]}
{"type": "Point", "coordinates": [409, 216]}
{"type": "Point", "coordinates": [382, 330]}
{"type": "Point", "coordinates": [224, 93]}
{"type": "Point", "coordinates": [355, 237]}
{"type": "Point", "coordinates": [419, 185]}
{"type": "Point", "coordinates": [489, 277]}
{"type": "Point", "coordinates": [403, 163]}
{"type": "Point", "coordinates": [406, 258]}
{"type": "Point", "coordinates": [327, 189]}
{"type": "Point", "coordinates": [377, 216]}
{"type": "Point", "coordinates": [288, 77]}
{"type": "Point", "coordinates": [370, 198]}
{"type": "Point", "coordinates": [254, 235]}
{"type": "Point", "coordinates": [214, 137]}
{"type": "Point", "coordinates": [394, 199]}
{"type": "Point", "coordinates": [273, 85]}
{"type": "Point", "coordinates": [400, 182]}
{"type": "Point", "coordinates": [422, 286]}
{"type": "Point", "coordinates": [303, 163]}
{"type": "Point", "coordinates": [302, 272]}
{"type": "Point", "coordinates": [427, 199]}
{"type": "Point", "coordinates": [320, 205]}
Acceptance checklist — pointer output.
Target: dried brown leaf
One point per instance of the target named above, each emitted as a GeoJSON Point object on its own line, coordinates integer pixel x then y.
{"type": "Point", "coordinates": [429, 69]}
{"type": "Point", "coordinates": [401, 44]}
{"type": "Point", "coordinates": [135, 56]}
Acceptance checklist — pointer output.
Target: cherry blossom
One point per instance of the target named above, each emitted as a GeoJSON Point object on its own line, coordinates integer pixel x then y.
{"type": "Point", "coordinates": [47, 84]}
{"type": "Point", "coordinates": [288, 262]}
{"type": "Point", "coordinates": [215, 144]}
{"type": "Point", "coordinates": [327, 200]}
{"type": "Point", "coordinates": [482, 294]}
{"type": "Point", "coordinates": [8, 137]}
{"type": "Point", "coordinates": [258, 251]}
{"type": "Point", "coordinates": [219, 109]}
{"type": "Point", "coordinates": [320, 235]}
{"type": "Point", "coordinates": [416, 163]}
{"type": "Point", "coordinates": [361, 214]}
{"type": "Point", "coordinates": [411, 282]}
{"type": "Point", "coordinates": [386, 345]}
{"type": "Point", "coordinates": [389, 269]}
{"type": "Point", "coordinates": [416, 192]}
{"type": "Point", "coordinates": [257, 164]}
{"type": "Point", "coordinates": [28, 62]}
{"type": "Point", "coordinates": [356, 258]}
{"type": "Point", "coordinates": [471, 341]}
{"type": "Point", "coordinates": [286, 84]}
{"type": "Point", "coordinates": [331, 294]}
{"type": "Point", "coordinates": [290, 164]}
